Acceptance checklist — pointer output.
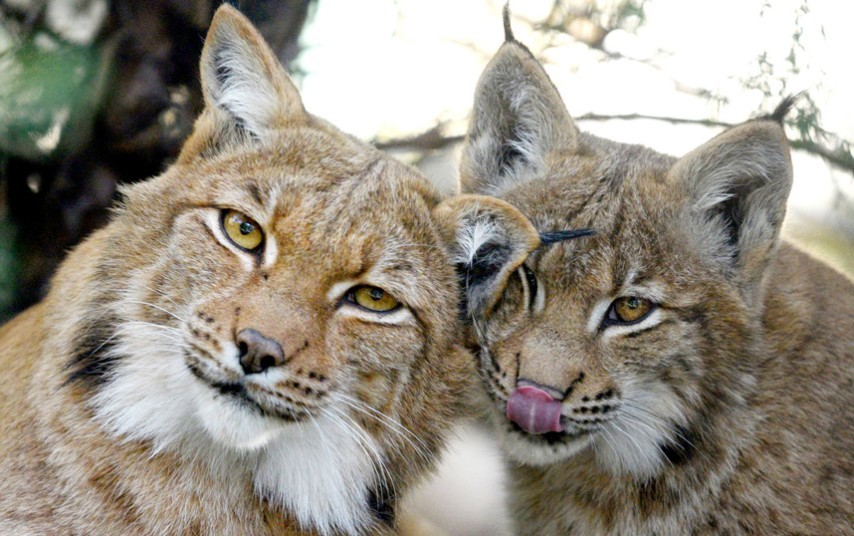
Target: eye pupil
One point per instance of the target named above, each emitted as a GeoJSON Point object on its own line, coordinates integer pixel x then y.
{"type": "Point", "coordinates": [246, 228]}
{"type": "Point", "coordinates": [633, 303]}
{"type": "Point", "coordinates": [376, 294]}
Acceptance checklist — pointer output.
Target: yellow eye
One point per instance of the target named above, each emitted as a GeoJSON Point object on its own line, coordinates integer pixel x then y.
{"type": "Point", "coordinates": [373, 299]}
{"type": "Point", "coordinates": [242, 230]}
{"type": "Point", "coordinates": [630, 309]}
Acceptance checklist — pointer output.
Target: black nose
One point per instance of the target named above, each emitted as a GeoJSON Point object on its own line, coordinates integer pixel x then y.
{"type": "Point", "coordinates": [257, 352]}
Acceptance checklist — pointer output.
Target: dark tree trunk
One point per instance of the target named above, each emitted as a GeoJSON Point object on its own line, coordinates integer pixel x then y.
{"type": "Point", "coordinates": [153, 97]}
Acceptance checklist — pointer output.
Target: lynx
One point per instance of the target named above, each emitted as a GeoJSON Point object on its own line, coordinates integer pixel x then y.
{"type": "Point", "coordinates": [679, 371]}
{"type": "Point", "coordinates": [264, 340]}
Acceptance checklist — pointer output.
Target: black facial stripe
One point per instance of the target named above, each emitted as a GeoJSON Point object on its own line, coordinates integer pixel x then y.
{"type": "Point", "coordinates": [255, 191]}
{"type": "Point", "coordinates": [94, 357]}
{"type": "Point", "coordinates": [381, 504]}
{"type": "Point", "coordinates": [682, 448]}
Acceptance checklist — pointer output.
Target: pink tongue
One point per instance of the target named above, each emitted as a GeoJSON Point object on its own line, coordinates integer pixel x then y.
{"type": "Point", "coordinates": [536, 411]}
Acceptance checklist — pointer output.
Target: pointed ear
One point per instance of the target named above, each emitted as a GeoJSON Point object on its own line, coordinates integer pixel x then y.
{"type": "Point", "coordinates": [518, 119]}
{"type": "Point", "coordinates": [246, 90]}
{"type": "Point", "coordinates": [489, 240]}
{"type": "Point", "coordinates": [738, 184]}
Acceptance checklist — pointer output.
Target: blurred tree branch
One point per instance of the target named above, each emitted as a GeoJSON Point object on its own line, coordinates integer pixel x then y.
{"type": "Point", "coordinates": [839, 155]}
{"type": "Point", "coordinates": [589, 22]}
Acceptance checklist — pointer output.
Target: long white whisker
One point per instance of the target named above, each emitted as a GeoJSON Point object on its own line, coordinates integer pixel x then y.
{"type": "Point", "coordinates": [170, 313]}
{"type": "Point", "coordinates": [365, 444]}
{"type": "Point", "coordinates": [667, 425]}
{"type": "Point", "coordinates": [641, 452]}
{"type": "Point", "coordinates": [394, 426]}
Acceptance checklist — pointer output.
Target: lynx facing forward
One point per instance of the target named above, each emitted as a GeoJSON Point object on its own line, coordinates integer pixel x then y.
{"type": "Point", "coordinates": [263, 341]}
{"type": "Point", "coordinates": [679, 372]}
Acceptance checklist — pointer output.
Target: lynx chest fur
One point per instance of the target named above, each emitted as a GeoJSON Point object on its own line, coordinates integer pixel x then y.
{"type": "Point", "coordinates": [679, 371]}
{"type": "Point", "coordinates": [263, 341]}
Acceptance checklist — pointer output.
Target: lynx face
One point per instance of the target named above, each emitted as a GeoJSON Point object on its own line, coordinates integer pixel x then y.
{"type": "Point", "coordinates": [620, 346]}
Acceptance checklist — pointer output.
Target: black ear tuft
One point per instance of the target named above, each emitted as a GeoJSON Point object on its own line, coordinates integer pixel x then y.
{"type": "Point", "coordinates": [552, 237]}
{"type": "Point", "coordinates": [508, 29]}
{"type": "Point", "coordinates": [783, 109]}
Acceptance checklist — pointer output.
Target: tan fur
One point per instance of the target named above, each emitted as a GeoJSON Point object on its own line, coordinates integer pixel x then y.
{"type": "Point", "coordinates": [110, 420]}
{"type": "Point", "coordinates": [728, 410]}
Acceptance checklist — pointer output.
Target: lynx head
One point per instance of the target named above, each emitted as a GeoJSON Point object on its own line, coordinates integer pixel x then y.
{"type": "Point", "coordinates": [281, 302]}
{"type": "Point", "coordinates": [626, 346]}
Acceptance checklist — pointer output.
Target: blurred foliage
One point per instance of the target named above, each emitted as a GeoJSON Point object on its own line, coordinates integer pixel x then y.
{"type": "Point", "coordinates": [93, 94]}
{"type": "Point", "coordinates": [590, 22]}
{"type": "Point", "coordinates": [49, 95]}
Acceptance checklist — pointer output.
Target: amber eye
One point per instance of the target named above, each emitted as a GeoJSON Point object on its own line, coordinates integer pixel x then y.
{"type": "Point", "coordinates": [629, 310]}
{"type": "Point", "coordinates": [373, 299]}
{"type": "Point", "coordinates": [242, 230]}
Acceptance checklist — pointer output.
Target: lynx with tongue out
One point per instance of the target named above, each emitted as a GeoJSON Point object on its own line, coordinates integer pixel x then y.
{"type": "Point", "coordinates": [534, 410]}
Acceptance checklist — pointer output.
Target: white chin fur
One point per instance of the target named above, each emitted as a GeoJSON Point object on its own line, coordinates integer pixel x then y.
{"type": "Point", "coordinates": [234, 425]}
{"type": "Point", "coordinates": [318, 470]}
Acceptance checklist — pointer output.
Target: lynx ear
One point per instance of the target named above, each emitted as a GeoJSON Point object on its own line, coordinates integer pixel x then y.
{"type": "Point", "coordinates": [246, 90]}
{"type": "Point", "coordinates": [738, 183]}
{"type": "Point", "coordinates": [489, 240]}
{"type": "Point", "coordinates": [518, 118]}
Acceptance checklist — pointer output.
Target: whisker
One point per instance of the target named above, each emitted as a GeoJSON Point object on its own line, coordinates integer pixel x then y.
{"type": "Point", "coordinates": [641, 452]}
{"type": "Point", "coordinates": [170, 313]}
{"type": "Point", "coordinates": [393, 426]}
{"type": "Point", "coordinates": [668, 426]}
{"type": "Point", "coordinates": [365, 444]}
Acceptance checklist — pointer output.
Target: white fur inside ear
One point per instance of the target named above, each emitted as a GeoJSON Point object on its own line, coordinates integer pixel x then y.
{"type": "Point", "coordinates": [242, 77]}
{"type": "Point", "coordinates": [238, 85]}
{"type": "Point", "coordinates": [532, 133]}
{"type": "Point", "coordinates": [472, 236]}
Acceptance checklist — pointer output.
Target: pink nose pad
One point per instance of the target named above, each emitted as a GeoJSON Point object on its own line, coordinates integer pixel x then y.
{"type": "Point", "coordinates": [534, 410]}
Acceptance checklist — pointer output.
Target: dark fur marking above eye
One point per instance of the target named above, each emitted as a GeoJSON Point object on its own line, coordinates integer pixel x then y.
{"type": "Point", "coordinates": [255, 191]}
